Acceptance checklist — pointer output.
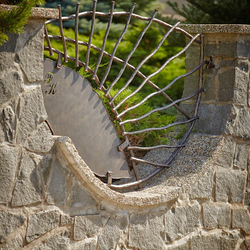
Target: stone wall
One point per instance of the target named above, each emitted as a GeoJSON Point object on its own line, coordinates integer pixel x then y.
{"type": "Point", "coordinates": [50, 199]}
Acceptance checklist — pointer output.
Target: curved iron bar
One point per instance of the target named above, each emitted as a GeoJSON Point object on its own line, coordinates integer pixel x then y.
{"type": "Point", "coordinates": [160, 128]}
{"type": "Point", "coordinates": [184, 138]}
{"type": "Point", "coordinates": [91, 35]}
{"type": "Point", "coordinates": [76, 35]}
{"type": "Point", "coordinates": [146, 79]}
{"type": "Point", "coordinates": [155, 147]}
{"type": "Point", "coordinates": [129, 56]}
{"type": "Point", "coordinates": [162, 108]}
{"type": "Point", "coordinates": [123, 13]}
{"type": "Point", "coordinates": [150, 76]}
{"type": "Point", "coordinates": [142, 62]}
{"type": "Point", "coordinates": [104, 39]}
{"type": "Point", "coordinates": [116, 46]}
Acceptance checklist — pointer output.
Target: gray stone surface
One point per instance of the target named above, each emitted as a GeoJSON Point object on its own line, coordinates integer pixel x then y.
{"type": "Point", "coordinates": [88, 244]}
{"type": "Point", "coordinates": [232, 120]}
{"type": "Point", "coordinates": [184, 246]}
{"type": "Point", "coordinates": [57, 242]}
{"type": "Point", "coordinates": [30, 50]}
{"type": "Point", "coordinates": [241, 126]}
{"type": "Point", "coordinates": [247, 242]}
{"type": "Point", "coordinates": [216, 215]}
{"type": "Point", "coordinates": [80, 196]}
{"type": "Point", "coordinates": [8, 165]}
{"type": "Point", "coordinates": [9, 223]}
{"type": "Point", "coordinates": [230, 186]}
{"type": "Point", "coordinates": [226, 155]}
{"type": "Point", "coordinates": [66, 219]}
{"type": "Point", "coordinates": [10, 85]}
{"type": "Point", "coordinates": [216, 241]}
{"type": "Point", "coordinates": [46, 167]}
{"type": "Point", "coordinates": [14, 244]}
{"type": "Point", "coordinates": [211, 120]}
{"type": "Point", "coordinates": [28, 186]}
{"type": "Point", "coordinates": [32, 113]}
{"type": "Point", "coordinates": [211, 90]}
{"type": "Point", "coordinates": [109, 236]}
{"type": "Point", "coordinates": [87, 226]}
{"type": "Point", "coordinates": [203, 188]}
{"type": "Point", "coordinates": [226, 86]}
{"type": "Point", "coordinates": [122, 221]}
{"type": "Point", "coordinates": [181, 221]}
{"type": "Point", "coordinates": [41, 223]}
{"type": "Point", "coordinates": [241, 155]}
{"type": "Point", "coordinates": [241, 219]}
{"type": "Point", "coordinates": [58, 184]}
{"type": "Point", "coordinates": [146, 232]}
{"type": "Point", "coordinates": [241, 86]}
{"type": "Point", "coordinates": [41, 141]}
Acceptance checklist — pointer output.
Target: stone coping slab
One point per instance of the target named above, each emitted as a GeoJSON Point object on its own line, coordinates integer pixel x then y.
{"type": "Point", "coordinates": [216, 28]}
{"type": "Point", "coordinates": [37, 12]}
{"type": "Point", "coordinates": [191, 164]}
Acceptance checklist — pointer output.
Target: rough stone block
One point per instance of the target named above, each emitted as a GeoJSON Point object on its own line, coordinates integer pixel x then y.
{"type": "Point", "coordinates": [28, 186]}
{"type": "Point", "coordinates": [88, 244]}
{"type": "Point", "coordinates": [15, 243]}
{"type": "Point", "coordinates": [41, 223]}
{"type": "Point", "coordinates": [30, 50]}
{"type": "Point", "coordinates": [8, 165]}
{"type": "Point", "coordinates": [32, 113]}
{"type": "Point", "coordinates": [81, 197]}
{"type": "Point", "coordinates": [241, 155]}
{"type": "Point", "coordinates": [241, 126]}
{"type": "Point", "coordinates": [191, 84]}
{"type": "Point", "coordinates": [223, 49]}
{"type": "Point", "coordinates": [226, 86]}
{"type": "Point", "coordinates": [212, 118]}
{"type": "Point", "coordinates": [241, 219]}
{"type": "Point", "coordinates": [58, 184]}
{"type": "Point", "coordinates": [203, 188]}
{"type": "Point", "coordinates": [216, 215]}
{"type": "Point", "coordinates": [192, 56]}
{"type": "Point", "coordinates": [57, 242]}
{"type": "Point", "coordinates": [87, 226]}
{"type": "Point", "coordinates": [210, 86]}
{"type": "Point", "coordinates": [9, 223]}
{"type": "Point", "coordinates": [6, 61]}
{"type": "Point", "coordinates": [146, 233]}
{"type": "Point", "coordinates": [241, 87]}
{"type": "Point", "coordinates": [46, 167]}
{"type": "Point", "coordinates": [226, 155]}
{"type": "Point", "coordinates": [181, 221]}
{"type": "Point", "coordinates": [225, 241]}
{"type": "Point", "coordinates": [184, 246]}
{"type": "Point", "coordinates": [66, 219]}
{"type": "Point", "coordinates": [122, 221]}
{"type": "Point", "coordinates": [41, 141]}
{"type": "Point", "coordinates": [247, 242]}
{"type": "Point", "coordinates": [230, 186]}
{"type": "Point", "coordinates": [109, 236]}
{"type": "Point", "coordinates": [231, 120]}
{"type": "Point", "coordinates": [10, 86]}
{"type": "Point", "coordinates": [247, 199]}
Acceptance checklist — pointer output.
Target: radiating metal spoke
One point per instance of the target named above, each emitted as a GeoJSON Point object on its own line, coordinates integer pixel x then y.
{"type": "Point", "coordinates": [62, 34]}
{"type": "Point", "coordinates": [104, 39]}
{"type": "Point", "coordinates": [160, 128]}
{"type": "Point", "coordinates": [116, 46]}
{"type": "Point", "coordinates": [149, 162]}
{"type": "Point", "coordinates": [131, 53]}
{"type": "Point", "coordinates": [76, 35]}
{"type": "Point", "coordinates": [155, 147]}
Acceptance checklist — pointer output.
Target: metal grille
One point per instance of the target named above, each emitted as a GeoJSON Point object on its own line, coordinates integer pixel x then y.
{"type": "Point", "coordinates": [119, 114]}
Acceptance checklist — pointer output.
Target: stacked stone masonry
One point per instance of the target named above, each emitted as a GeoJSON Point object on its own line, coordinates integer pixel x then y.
{"type": "Point", "coordinates": [50, 199]}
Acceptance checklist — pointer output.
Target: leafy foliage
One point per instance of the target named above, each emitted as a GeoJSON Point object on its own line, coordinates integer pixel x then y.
{"type": "Point", "coordinates": [214, 11]}
{"type": "Point", "coordinates": [14, 21]}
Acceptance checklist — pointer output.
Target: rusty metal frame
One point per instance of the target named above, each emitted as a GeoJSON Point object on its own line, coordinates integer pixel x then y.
{"type": "Point", "coordinates": [136, 71]}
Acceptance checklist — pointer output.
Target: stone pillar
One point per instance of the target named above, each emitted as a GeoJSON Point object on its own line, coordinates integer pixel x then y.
{"type": "Point", "coordinates": [225, 106]}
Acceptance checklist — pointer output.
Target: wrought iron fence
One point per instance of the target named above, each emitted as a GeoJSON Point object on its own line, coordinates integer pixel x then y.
{"type": "Point", "coordinates": [119, 114]}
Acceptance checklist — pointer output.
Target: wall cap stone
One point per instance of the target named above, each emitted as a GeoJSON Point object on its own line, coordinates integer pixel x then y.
{"type": "Point", "coordinates": [216, 28]}
{"type": "Point", "coordinates": [36, 12]}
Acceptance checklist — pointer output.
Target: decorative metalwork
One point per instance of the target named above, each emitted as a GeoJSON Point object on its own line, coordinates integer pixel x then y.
{"type": "Point", "coordinates": [126, 144]}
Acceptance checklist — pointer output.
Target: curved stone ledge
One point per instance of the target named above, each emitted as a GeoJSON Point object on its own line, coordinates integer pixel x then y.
{"type": "Point", "coordinates": [191, 164]}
